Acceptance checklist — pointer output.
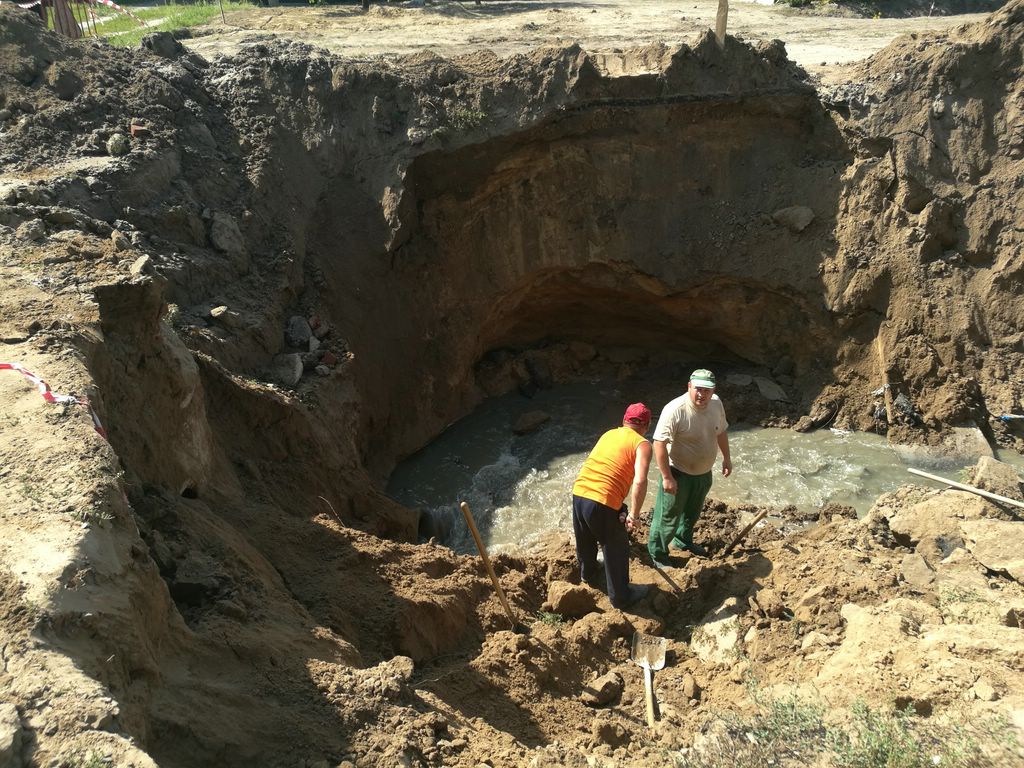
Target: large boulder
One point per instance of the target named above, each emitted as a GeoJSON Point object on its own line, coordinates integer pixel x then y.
{"type": "Point", "coordinates": [996, 544]}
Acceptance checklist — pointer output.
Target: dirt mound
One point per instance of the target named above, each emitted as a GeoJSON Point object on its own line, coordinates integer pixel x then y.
{"type": "Point", "coordinates": [271, 275]}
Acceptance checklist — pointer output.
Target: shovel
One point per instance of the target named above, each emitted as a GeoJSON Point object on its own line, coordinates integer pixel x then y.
{"type": "Point", "coordinates": [649, 652]}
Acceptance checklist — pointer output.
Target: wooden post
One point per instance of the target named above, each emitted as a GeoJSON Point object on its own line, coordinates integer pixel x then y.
{"type": "Point", "coordinates": [487, 560]}
{"type": "Point", "coordinates": [884, 370]}
{"type": "Point", "coordinates": [720, 22]}
{"type": "Point", "coordinates": [968, 488]}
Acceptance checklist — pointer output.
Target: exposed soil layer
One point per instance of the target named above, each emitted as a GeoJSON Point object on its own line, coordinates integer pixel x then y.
{"type": "Point", "coordinates": [274, 274]}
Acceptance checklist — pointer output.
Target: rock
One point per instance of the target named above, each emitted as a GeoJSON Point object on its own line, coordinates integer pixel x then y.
{"type": "Point", "coordinates": [322, 370]}
{"type": "Point", "coordinates": [530, 422]}
{"type": "Point", "coordinates": [118, 145]}
{"type": "Point", "coordinates": [716, 637]}
{"type": "Point", "coordinates": [329, 358]}
{"type": "Point", "coordinates": [570, 600]}
{"type": "Point", "coordinates": [984, 690]}
{"type": "Point", "coordinates": [606, 731]}
{"type": "Point", "coordinates": [739, 379]}
{"type": "Point", "coordinates": [602, 690]}
{"type": "Point", "coordinates": [796, 218]}
{"type": "Point", "coordinates": [768, 602]}
{"type": "Point", "coordinates": [769, 389]}
{"type": "Point", "coordinates": [811, 639]}
{"type": "Point", "coordinates": [162, 44]}
{"type": "Point", "coordinates": [32, 230]}
{"type": "Point", "coordinates": [690, 688]}
{"type": "Point", "coordinates": [121, 243]}
{"type": "Point", "coordinates": [141, 266]}
{"type": "Point", "coordinates": [810, 604]}
{"type": "Point", "coordinates": [996, 544]}
{"type": "Point", "coordinates": [936, 516]}
{"type": "Point", "coordinates": [601, 630]}
{"type": "Point", "coordinates": [225, 235]}
{"type": "Point", "coordinates": [996, 477]}
{"type": "Point", "coordinates": [195, 579]}
{"type": "Point", "coordinates": [960, 445]}
{"type": "Point", "coordinates": [10, 736]}
{"type": "Point", "coordinates": [297, 332]}
{"type": "Point", "coordinates": [232, 609]}
{"type": "Point", "coordinates": [804, 424]}
{"type": "Point", "coordinates": [286, 369]}
{"type": "Point", "coordinates": [916, 572]}
{"type": "Point", "coordinates": [321, 329]}
{"type": "Point", "coordinates": [314, 343]}
{"type": "Point", "coordinates": [539, 368]}
{"type": "Point", "coordinates": [138, 131]}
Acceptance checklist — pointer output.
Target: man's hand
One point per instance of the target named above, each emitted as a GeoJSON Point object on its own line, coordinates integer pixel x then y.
{"type": "Point", "coordinates": [669, 485]}
{"type": "Point", "coordinates": [726, 467]}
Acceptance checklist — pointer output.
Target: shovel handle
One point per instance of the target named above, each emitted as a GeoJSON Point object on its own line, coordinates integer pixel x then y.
{"type": "Point", "coordinates": [649, 694]}
{"type": "Point", "coordinates": [487, 560]}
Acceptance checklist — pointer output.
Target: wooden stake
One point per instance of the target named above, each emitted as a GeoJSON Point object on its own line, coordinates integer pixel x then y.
{"type": "Point", "coordinates": [487, 560]}
{"type": "Point", "coordinates": [884, 370]}
{"type": "Point", "coordinates": [968, 488]}
{"type": "Point", "coordinates": [720, 22]}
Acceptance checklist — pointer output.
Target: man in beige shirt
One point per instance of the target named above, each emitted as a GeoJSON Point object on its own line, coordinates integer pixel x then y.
{"type": "Point", "coordinates": [687, 439]}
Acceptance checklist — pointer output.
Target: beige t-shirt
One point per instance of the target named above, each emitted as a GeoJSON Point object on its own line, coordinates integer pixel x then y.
{"type": "Point", "coordinates": [692, 433]}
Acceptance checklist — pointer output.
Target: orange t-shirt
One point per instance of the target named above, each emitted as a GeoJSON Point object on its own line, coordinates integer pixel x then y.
{"type": "Point", "coordinates": [608, 471]}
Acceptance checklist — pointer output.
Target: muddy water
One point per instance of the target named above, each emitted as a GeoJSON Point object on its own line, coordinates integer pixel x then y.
{"type": "Point", "coordinates": [519, 487]}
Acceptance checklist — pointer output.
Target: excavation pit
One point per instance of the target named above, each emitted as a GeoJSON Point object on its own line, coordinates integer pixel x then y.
{"type": "Point", "coordinates": [303, 269]}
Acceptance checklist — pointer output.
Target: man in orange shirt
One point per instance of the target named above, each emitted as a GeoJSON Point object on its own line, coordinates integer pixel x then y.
{"type": "Point", "coordinates": [618, 462]}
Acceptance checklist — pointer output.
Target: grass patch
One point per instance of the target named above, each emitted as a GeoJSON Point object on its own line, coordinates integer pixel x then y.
{"type": "Point", "coordinates": [789, 732]}
{"type": "Point", "coordinates": [549, 618]}
{"type": "Point", "coordinates": [463, 120]}
{"type": "Point", "coordinates": [121, 30]}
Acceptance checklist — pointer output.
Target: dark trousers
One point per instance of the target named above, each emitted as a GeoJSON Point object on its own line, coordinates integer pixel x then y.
{"type": "Point", "coordinates": [595, 524]}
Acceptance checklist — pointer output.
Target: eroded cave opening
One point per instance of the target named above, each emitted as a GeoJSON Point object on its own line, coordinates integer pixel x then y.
{"type": "Point", "coordinates": [647, 225]}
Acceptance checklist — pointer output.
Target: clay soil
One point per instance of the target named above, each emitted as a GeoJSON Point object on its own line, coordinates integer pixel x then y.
{"type": "Point", "coordinates": [268, 264]}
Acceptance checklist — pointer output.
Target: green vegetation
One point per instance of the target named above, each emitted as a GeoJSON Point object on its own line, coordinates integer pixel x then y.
{"type": "Point", "coordinates": [793, 732]}
{"type": "Point", "coordinates": [119, 29]}
{"type": "Point", "coordinates": [957, 604]}
{"type": "Point", "coordinates": [91, 760]}
{"type": "Point", "coordinates": [552, 619]}
{"type": "Point", "coordinates": [465, 119]}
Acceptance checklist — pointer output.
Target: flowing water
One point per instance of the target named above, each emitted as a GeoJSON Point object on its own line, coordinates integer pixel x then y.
{"type": "Point", "coordinates": [519, 486]}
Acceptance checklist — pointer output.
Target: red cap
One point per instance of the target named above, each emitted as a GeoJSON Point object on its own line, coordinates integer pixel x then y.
{"type": "Point", "coordinates": [638, 413]}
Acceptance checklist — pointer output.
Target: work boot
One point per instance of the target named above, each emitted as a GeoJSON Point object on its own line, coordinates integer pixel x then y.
{"type": "Point", "coordinates": [697, 550]}
{"type": "Point", "coordinates": [635, 593]}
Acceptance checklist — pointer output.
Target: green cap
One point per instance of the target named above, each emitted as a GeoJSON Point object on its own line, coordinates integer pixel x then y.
{"type": "Point", "coordinates": [702, 377]}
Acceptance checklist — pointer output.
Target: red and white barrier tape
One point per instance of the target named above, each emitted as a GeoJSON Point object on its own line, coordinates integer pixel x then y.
{"type": "Point", "coordinates": [117, 7]}
{"type": "Point", "coordinates": [111, 3]}
{"type": "Point", "coordinates": [51, 397]}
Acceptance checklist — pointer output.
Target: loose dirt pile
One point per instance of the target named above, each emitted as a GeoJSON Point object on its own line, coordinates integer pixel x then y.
{"type": "Point", "coordinates": [272, 275]}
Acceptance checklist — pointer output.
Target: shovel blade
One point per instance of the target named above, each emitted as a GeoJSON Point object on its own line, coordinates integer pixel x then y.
{"type": "Point", "coordinates": [648, 650]}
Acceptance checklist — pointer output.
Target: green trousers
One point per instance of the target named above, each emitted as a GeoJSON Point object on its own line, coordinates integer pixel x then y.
{"type": "Point", "coordinates": [675, 516]}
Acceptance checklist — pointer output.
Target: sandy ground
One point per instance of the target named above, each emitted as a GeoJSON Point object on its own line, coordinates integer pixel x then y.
{"type": "Point", "coordinates": [451, 28]}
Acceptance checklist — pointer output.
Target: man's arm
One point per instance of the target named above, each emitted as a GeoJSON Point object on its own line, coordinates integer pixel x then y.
{"type": "Point", "coordinates": [661, 457]}
{"type": "Point", "coordinates": [640, 469]}
{"type": "Point", "coordinates": [723, 446]}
